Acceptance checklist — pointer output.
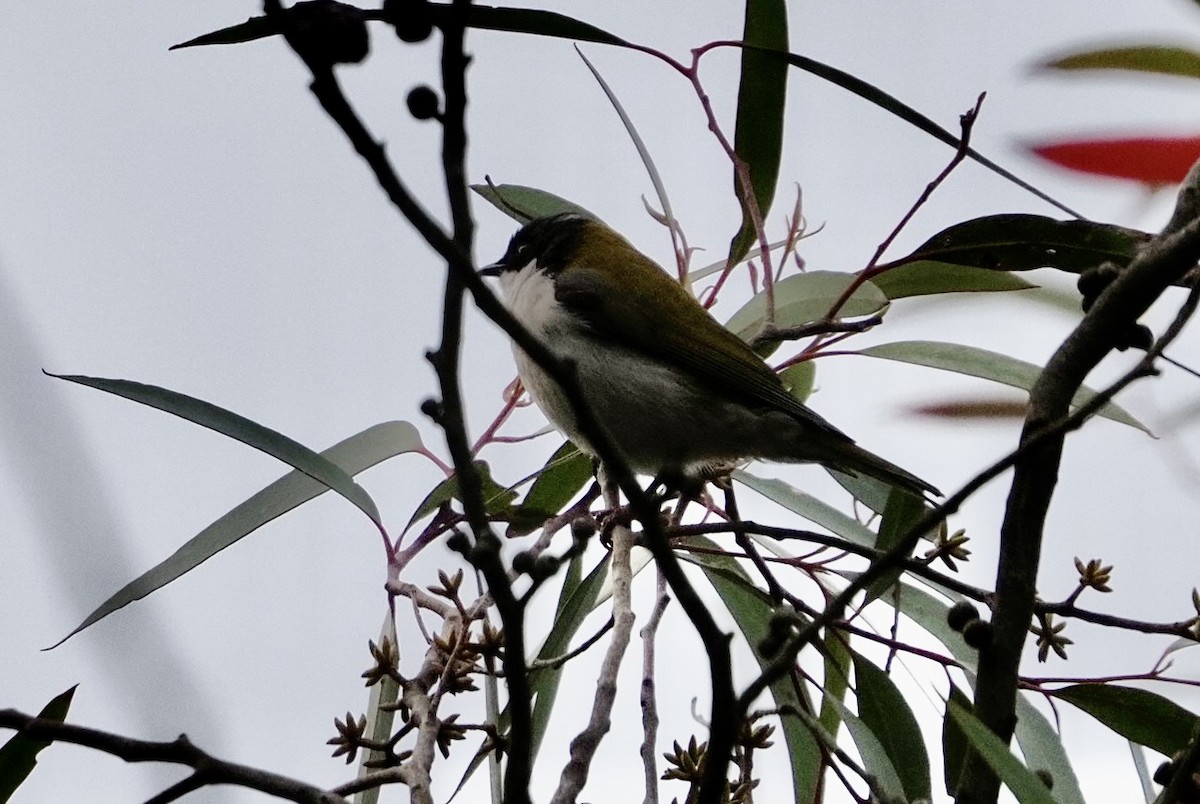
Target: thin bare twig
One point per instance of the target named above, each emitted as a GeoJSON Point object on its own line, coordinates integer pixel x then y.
{"type": "Point", "coordinates": [584, 746]}
{"type": "Point", "coordinates": [208, 769]}
{"type": "Point", "coordinates": [559, 661]}
{"type": "Point", "coordinates": [647, 698]}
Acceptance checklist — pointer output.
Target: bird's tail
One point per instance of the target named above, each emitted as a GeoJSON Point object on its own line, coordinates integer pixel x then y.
{"type": "Point", "coordinates": [853, 459]}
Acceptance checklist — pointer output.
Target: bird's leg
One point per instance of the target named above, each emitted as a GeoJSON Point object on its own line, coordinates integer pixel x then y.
{"type": "Point", "coordinates": [615, 513]}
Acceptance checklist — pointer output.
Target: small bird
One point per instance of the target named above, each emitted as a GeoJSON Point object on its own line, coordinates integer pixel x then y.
{"type": "Point", "coordinates": [677, 393]}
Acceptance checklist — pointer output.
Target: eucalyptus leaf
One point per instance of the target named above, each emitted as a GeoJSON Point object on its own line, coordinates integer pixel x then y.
{"type": "Point", "coordinates": [523, 204]}
{"type": "Point", "coordinates": [564, 474]}
{"type": "Point", "coordinates": [576, 600]}
{"type": "Point", "coordinates": [355, 454]}
{"type": "Point", "coordinates": [903, 510]}
{"type": "Point", "coordinates": [805, 298]}
{"type": "Point", "coordinates": [381, 714]}
{"type": "Point", "coordinates": [512, 20]}
{"type": "Point", "coordinates": [931, 277]}
{"type": "Point", "coordinates": [497, 498]}
{"type": "Point", "coordinates": [1021, 242]}
{"type": "Point", "coordinates": [954, 740]}
{"type": "Point", "coordinates": [1139, 715]}
{"type": "Point", "coordinates": [18, 756]}
{"type": "Point", "coordinates": [1040, 743]}
{"type": "Point", "coordinates": [908, 114]}
{"type": "Point", "coordinates": [1023, 783]}
{"type": "Point", "coordinates": [660, 188]}
{"type": "Point", "coordinates": [836, 681]}
{"type": "Point", "coordinates": [751, 610]}
{"type": "Point", "coordinates": [886, 712]}
{"type": "Point", "coordinates": [809, 507]}
{"type": "Point", "coordinates": [758, 131]}
{"type": "Point", "coordinates": [1148, 58]}
{"type": "Point", "coordinates": [874, 755]}
{"type": "Point", "coordinates": [239, 428]}
{"type": "Point", "coordinates": [985, 364]}
{"type": "Point", "coordinates": [799, 379]}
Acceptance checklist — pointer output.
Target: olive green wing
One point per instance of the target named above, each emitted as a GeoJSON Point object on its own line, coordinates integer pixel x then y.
{"type": "Point", "coordinates": [692, 339]}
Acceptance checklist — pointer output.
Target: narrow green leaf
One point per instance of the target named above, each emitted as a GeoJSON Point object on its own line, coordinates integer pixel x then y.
{"type": "Point", "coordinates": [1043, 750]}
{"type": "Point", "coordinates": [553, 24]}
{"type": "Point", "coordinates": [1040, 744]}
{"type": "Point", "coordinates": [576, 599]}
{"type": "Point", "coordinates": [930, 277]}
{"type": "Point", "coordinates": [248, 31]}
{"type": "Point", "coordinates": [534, 21]}
{"type": "Point", "coordinates": [975, 362]}
{"type": "Point", "coordinates": [887, 714]}
{"type": "Point", "coordinates": [1020, 242]}
{"type": "Point", "coordinates": [497, 499]}
{"type": "Point", "coordinates": [1162, 59]}
{"type": "Point", "coordinates": [762, 95]}
{"type": "Point", "coordinates": [836, 681]}
{"type": "Point", "coordinates": [930, 613]}
{"type": "Point", "coordinates": [512, 20]}
{"type": "Point", "coordinates": [954, 740]}
{"type": "Point", "coordinates": [1139, 715]}
{"type": "Point", "coordinates": [874, 756]}
{"type": "Point", "coordinates": [902, 511]}
{"type": "Point", "coordinates": [660, 188]}
{"type": "Point", "coordinates": [799, 379]}
{"type": "Point", "coordinates": [566, 472]}
{"type": "Point", "coordinates": [869, 491]}
{"type": "Point", "coordinates": [702, 272]}
{"type": "Point", "coordinates": [355, 454]}
{"type": "Point", "coordinates": [523, 204]}
{"type": "Point", "coordinates": [809, 507]}
{"type": "Point", "coordinates": [239, 428]}
{"type": "Point", "coordinates": [804, 298]}
{"type": "Point", "coordinates": [911, 116]}
{"type": "Point", "coordinates": [18, 756]}
{"type": "Point", "coordinates": [751, 610]}
{"type": "Point", "coordinates": [1023, 783]}
{"type": "Point", "coordinates": [381, 714]}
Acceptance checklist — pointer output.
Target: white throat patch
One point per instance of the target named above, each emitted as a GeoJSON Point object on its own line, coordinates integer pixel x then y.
{"type": "Point", "coordinates": [529, 294]}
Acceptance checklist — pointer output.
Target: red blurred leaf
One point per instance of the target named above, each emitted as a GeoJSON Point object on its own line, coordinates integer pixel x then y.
{"type": "Point", "coordinates": [1153, 160]}
{"type": "Point", "coordinates": [974, 408]}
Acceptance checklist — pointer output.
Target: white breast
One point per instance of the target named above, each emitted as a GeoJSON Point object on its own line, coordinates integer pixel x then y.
{"type": "Point", "coordinates": [529, 295]}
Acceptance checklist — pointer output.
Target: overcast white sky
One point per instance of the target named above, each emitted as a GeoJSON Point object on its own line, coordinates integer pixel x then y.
{"type": "Point", "coordinates": [192, 220]}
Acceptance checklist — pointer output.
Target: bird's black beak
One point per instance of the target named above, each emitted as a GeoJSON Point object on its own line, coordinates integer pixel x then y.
{"type": "Point", "coordinates": [495, 269]}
